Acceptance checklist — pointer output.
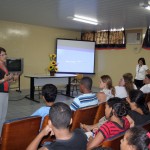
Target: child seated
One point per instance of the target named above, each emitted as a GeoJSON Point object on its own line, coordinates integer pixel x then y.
{"type": "Point", "coordinates": [135, 138]}
{"type": "Point", "coordinates": [115, 112]}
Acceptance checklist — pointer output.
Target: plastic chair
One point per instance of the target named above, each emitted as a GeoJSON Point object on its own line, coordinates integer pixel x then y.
{"type": "Point", "coordinates": [18, 133]}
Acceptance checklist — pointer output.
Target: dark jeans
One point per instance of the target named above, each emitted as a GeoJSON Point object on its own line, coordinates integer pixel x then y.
{"type": "Point", "coordinates": [138, 83]}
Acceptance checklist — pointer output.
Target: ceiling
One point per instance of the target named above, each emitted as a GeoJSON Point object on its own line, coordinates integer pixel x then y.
{"type": "Point", "coordinates": [57, 13]}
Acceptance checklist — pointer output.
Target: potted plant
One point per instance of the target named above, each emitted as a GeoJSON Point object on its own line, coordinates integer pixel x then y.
{"type": "Point", "coordinates": [52, 68]}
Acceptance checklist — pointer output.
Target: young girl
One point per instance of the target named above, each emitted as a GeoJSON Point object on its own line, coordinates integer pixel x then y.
{"type": "Point", "coordinates": [139, 110]}
{"type": "Point", "coordinates": [115, 111]}
{"type": "Point", "coordinates": [135, 138]}
{"type": "Point", "coordinates": [106, 88]}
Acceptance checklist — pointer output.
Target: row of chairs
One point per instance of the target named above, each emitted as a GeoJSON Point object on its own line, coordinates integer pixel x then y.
{"type": "Point", "coordinates": [87, 115]}
{"type": "Point", "coordinates": [18, 133]}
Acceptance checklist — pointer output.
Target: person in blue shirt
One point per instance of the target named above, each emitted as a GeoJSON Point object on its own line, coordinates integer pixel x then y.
{"type": "Point", "coordinates": [49, 93]}
{"type": "Point", "coordinates": [87, 98]}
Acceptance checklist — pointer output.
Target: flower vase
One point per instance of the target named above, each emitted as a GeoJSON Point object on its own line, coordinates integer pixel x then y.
{"type": "Point", "coordinates": [52, 73]}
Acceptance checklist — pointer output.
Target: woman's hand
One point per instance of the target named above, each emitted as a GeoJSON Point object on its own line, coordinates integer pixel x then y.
{"type": "Point", "coordinates": [16, 76]}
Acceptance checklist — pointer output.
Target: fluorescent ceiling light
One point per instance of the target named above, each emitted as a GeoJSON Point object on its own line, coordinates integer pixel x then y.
{"type": "Point", "coordinates": [85, 19]}
{"type": "Point", "coordinates": [147, 7]}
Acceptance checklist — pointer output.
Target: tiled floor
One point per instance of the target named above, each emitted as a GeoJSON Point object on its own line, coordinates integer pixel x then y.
{"type": "Point", "coordinates": [18, 106]}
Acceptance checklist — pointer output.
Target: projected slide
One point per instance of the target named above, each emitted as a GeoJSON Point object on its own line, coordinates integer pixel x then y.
{"type": "Point", "coordinates": [75, 56]}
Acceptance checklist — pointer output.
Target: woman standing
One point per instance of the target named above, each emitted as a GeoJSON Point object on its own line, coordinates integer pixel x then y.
{"type": "Point", "coordinates": [141, 70]}
{"type": "Point", "coordinates": [5, 78]}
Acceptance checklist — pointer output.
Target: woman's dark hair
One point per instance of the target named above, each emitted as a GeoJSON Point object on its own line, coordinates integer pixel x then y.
{"type": "Point", "coordinates": [119, 108]}
{"type": "Point", "coordinates": [143, 60]}
{"type": "Point", "coordinates": [2, 50]}
{"type": "Point", "coordinates": [128, 79]}
{"type": "Point", "coordinates": [138, 138]}
{"type": "Point", "coordinates": [137, 96]}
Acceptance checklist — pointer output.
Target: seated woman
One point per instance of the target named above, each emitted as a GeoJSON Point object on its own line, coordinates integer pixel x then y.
{"type": "Point", "coordinates": [139, 110]}
{"type": "Point", "coordinates": [106, 88]}
{"type": "Point", "coordinates": [135, 138]}
{"type": "Point", "coordinates": [115, 113]}
{"type": "Point", "coordinates": [146, 87]}
{"type": "Point", "coordinates": [125, 86]}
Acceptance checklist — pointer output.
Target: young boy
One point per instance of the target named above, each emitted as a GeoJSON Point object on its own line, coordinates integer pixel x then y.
{"type": "Point", "coordinates": [49, 93]}
{"type": "Point", "coordinates": [87, 98]}
{"type": "Point", "coordinates": [60, 119]}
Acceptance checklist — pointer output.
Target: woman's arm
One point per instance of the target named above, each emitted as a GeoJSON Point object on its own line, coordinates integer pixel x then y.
{"type": "Point", "coordinates": [88, 127]}
{"type": "Point", "coordinates": [95, 141]}
{"type": "Point", "coordinates": [131, 121]}
{"type": "Point", "coordinates": [101, 96]}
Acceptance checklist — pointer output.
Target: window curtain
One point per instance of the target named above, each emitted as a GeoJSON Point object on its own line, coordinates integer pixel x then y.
{"type": "Point", "coordinates": [106, 39]}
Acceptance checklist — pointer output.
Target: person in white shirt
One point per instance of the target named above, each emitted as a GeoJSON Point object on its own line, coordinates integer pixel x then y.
{"type": "Point", "coordinates": [141, 70]}
{"type": "Point", "coordinates": [107, 90]}
{"type": "Point", "coordinates": [146, 87]}
{"type": "Point", "coordinates": [125, 86]}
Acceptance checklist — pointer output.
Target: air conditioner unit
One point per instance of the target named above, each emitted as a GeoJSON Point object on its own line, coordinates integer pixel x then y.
{"type": "Point", "coordinates": [134, 38]}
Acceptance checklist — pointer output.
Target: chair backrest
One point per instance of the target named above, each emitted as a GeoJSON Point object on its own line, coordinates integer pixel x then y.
{"type": "Point", "coordinates": [84, 115]}
{"type": "Point", "coordinates": [45, 121]}
{"type": "Point", "coordinates": [113, 142]}
{"type": "Point", "coordinates": [18, 133]}
{"type": "Point", "coordinates": [100, 112]}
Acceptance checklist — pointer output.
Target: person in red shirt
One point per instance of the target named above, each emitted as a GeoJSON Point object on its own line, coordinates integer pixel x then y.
{"type": "Point", "coordinates": [5, 79]}
{"type": "Point", "coordinates": [115, 112]}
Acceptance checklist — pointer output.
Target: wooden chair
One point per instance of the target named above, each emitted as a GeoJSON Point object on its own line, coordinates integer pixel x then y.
{"type": "Point", "coordinates": [18, 133]}
{"type": "Point", "coordinates": [84, 115]}
{"type": "Point", "coordinates": [100, 112]}
{"type": "Point", "coordinates": [46, 138]}
{"type": "Point", "coordinates": [113, 142]}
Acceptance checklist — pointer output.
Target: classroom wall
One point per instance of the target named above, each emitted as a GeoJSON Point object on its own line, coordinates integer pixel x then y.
{"type": "Point", "coordinates": [117, 62]}
{"type": "Point", "coordinates": [35, 43]}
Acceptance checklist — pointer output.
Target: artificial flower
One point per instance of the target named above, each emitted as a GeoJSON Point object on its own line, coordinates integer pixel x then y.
{"type": "Point", "coordinates": [53, 65]}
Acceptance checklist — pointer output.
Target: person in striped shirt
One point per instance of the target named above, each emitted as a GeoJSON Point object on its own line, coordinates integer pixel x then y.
{"type": "Point", "coordinates": [87, 98]}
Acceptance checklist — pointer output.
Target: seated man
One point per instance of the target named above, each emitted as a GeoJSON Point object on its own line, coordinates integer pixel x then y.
{"type": "Point", "coordinates": [60, 119]}
{"type": "Point", "coordinates": [87, 98]}
{"type": "Point", "coordinates": [146, 87]}
{"type": "Point", "coordinates": [49, 93]}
